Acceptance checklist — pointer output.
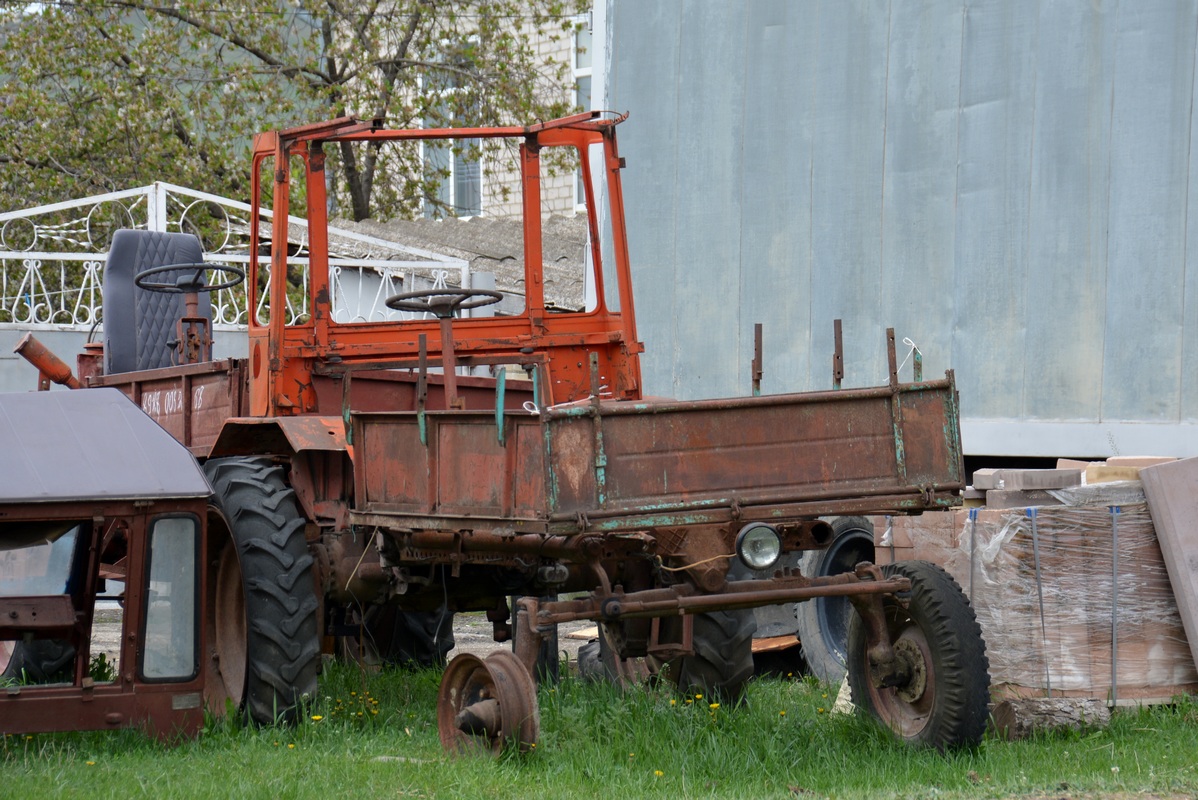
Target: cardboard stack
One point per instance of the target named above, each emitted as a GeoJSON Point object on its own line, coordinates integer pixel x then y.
{"type": "Point", "coordinates": [1073, 598]}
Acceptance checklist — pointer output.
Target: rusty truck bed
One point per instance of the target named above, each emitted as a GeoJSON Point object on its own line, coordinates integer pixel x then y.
{"type": "Point", "coordinates": [647, 464]}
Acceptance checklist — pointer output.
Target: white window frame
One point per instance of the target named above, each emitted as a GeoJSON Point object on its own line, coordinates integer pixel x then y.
{"type": "Point", "coordinates": [587, 20]}
{"type": "Point", "coordinates": [452, 179]}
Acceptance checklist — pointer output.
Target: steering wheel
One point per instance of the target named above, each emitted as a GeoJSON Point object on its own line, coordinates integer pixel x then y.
{"type": "Point", "coordinates": [443, 303]}
{"type": "Point", "coordinates": [183, 283]}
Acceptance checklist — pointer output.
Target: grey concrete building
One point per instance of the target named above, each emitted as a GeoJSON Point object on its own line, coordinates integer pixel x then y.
{"type": "Point", "coordinates": [1004, 182]}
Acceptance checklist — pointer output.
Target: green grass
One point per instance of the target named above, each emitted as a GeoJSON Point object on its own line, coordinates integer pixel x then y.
{"type": "Point", "coordinates": [597, 741]}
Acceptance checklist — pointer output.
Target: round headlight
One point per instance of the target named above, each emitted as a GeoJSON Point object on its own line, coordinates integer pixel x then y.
{"type": "Point", "coordinates": [758, 545]}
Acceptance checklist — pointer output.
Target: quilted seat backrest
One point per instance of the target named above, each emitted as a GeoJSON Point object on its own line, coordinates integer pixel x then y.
{"type": "Point", "coordinates": [140, 324]}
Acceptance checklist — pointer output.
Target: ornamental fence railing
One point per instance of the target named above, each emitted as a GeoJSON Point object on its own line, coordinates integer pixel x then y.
{"type": "Point", "coordinates": [52, 259]}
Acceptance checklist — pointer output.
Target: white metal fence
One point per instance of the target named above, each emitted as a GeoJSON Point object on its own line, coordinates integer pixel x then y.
{"type": "Point", "coordinates": [52, 258]}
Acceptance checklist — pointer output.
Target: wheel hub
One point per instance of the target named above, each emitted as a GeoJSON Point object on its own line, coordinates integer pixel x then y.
{"type": "Point", "coordinates": [910, 655]}
{"type": "Point", "coordinates": [485, 704]}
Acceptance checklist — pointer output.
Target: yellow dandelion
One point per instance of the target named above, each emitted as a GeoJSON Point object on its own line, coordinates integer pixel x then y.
{"type": "Point", "coordinates": [673, 702]}
{"type": "Point", "coordinates": [658, 773]}
{"type": "Point", "coordinates": [698, 697]}
{"type": "Point", "coordinates": [317, 717]}
{"type": "Point", "coordinates": [632, 755]}
{"type": "Point", "coordinates": [353, 694]}
{"type": "Point", "coordinates": [819, 710]}
{"type": "Point", "coordinates": [374, 711]}
{"type": "Point", "coordinates": [689, 701]}
{"type": "Point", "coordinates": [782, 713]}
{"type": "Point", "coordinates": [91, 763]}
{"type": "Point", "coordinates": [713, 706]}
{"type": "Point", "coordinates": [290, 746]}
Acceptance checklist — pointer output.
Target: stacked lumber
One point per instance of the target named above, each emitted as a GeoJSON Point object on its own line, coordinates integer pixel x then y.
{"type": "Point", "coordinates": [1014, 488]}
{"type": "Point", "coordinates": [1071, 590]}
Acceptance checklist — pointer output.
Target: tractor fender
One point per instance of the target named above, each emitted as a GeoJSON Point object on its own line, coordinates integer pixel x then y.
{"type": "Point", "coordinates": [255, 436]}
{"type": "Point", "coordinates": [321, 470]}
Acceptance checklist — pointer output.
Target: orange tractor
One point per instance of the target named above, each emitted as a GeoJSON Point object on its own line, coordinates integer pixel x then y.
{"type": "Point", "coordinates": [368, 482]}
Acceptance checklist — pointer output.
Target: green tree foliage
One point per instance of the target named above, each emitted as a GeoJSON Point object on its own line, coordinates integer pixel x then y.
{"type": "Point", "coordinates": [102, 95]}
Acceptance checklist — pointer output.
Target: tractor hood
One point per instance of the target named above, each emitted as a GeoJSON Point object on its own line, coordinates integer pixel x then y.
{"type": "Point", "coordinates": [91, 444]}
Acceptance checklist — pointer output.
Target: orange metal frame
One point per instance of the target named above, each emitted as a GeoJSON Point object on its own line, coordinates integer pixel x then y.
{"type": "Point", "coordinates": [570, 349]}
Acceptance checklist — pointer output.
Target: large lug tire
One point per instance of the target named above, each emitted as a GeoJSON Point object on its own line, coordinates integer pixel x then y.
{"type": "Point", "coordinates": [600, 659]}
{"type": "Point", "coordinates": [391, 637]}
{"type": "Point", "coordinates": [823, 622]}
{"type": "Point", "coordinates": [423, 638]}
{"type": "Point", "coordinates": [723, 659]}
{"type": "Point", "coordinates": [39, 661]}
{"type": "Point", "coordinates": [597, 659]}
{"type": "Point", "coordinates": [933, 629]}
{"type": "Point", "coordinates": [266, 636]}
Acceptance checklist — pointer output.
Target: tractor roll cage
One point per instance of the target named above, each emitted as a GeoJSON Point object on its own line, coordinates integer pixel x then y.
{"type": "Point", "coordinates": [564, 351]}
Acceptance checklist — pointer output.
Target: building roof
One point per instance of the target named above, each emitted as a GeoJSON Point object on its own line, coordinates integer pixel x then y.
{"type": "Point", "coordinates": [496, 245]}
{"type": "Point", "coordinates": [90, 444]}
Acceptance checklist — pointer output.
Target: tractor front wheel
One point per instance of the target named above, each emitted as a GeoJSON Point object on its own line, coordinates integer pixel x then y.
{"type": "Point", "coordinates": [263, 626]}
{"type": "Point", "coordinates": [942, 700]}
{"type": "Point", "coordinates": [722, 662]}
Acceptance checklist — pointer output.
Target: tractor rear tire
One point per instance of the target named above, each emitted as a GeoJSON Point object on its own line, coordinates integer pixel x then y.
{"type": "Point", "coordinates": [39, 661]}
{"type": "Point", "coordinates": [597, 659]}
{"type": "Point", "coordinates": [266, 632]}
{"type": "Point", "coordinates": [392, 637]}
{"type": "Point", "coordinates": [823, 622]}
{"type": "Point", "coordinates": [723, 659]}
{"type": "Point", "coordinates": [932, 627]}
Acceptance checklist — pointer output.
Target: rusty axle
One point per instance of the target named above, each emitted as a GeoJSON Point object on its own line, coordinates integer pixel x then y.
{"type": "Point", "coordinates": [740, 594]}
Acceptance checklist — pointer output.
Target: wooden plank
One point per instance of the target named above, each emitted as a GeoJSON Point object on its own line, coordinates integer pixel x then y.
{"type": "Point", "coordinates": [773, 644]}
{"type": "Point", "coordinates": [1174, 506]}
{"type": "Point", "coordinates": [585, 634]}
{"type": "Point", "coordinates": [1101, 473]}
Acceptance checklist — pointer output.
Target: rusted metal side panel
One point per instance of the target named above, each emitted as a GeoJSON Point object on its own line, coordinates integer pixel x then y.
{"type": "Point", "coordinates": [683, 457]}
{"type": "Point", "coordinates": [464, 470]}
{"type": "Point", "coordinates": [930, 430]}
{"type": "Point", "coordinates": [470, 470]}
{"type": "Point", "coordinates": [399, 480]}
{"type": "Point", "coordinates": [753, 451]}
{"type": "Point", "coordinates": [167, 710]}
{"type": "Point", "coordinates": [645, 464]}
{"type": "Point", "coordinates": [393, 390]}
{"type": "Point", "coordinates": [190, 402]}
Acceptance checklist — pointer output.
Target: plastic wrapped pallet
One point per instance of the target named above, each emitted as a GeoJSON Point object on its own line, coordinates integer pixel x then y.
{"type": "Point", "coordinates": [1074, 600]}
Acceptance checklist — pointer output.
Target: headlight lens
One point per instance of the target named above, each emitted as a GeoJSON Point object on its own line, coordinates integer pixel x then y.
{"type": "Point", "coordinates": [758, 545]}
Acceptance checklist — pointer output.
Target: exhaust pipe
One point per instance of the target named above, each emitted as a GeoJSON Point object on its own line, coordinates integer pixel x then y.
{"type": "Point", "coordinates": [49, 366]}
